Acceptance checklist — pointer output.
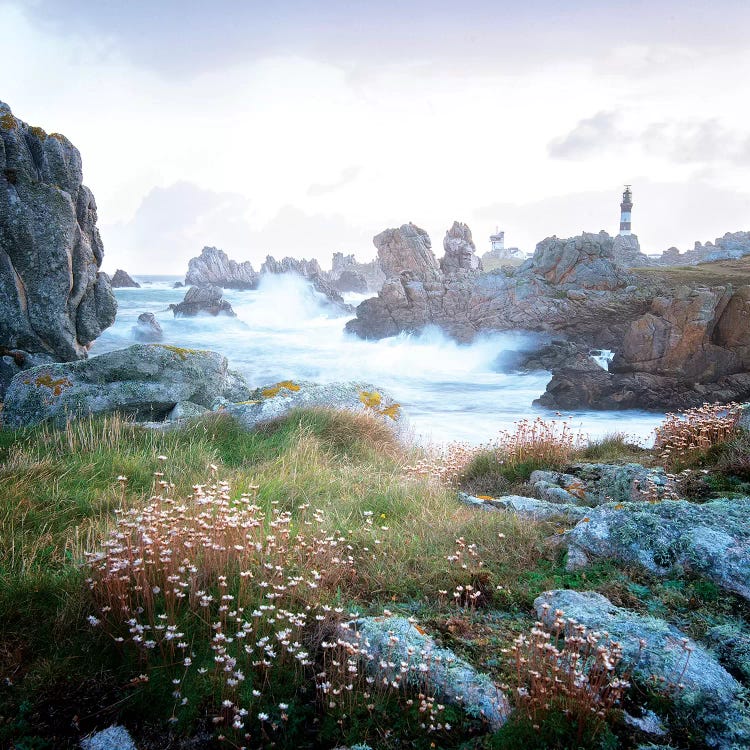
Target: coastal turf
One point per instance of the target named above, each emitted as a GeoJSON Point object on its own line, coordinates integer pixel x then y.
{"type": "Point", "coordinates": [60, 490]}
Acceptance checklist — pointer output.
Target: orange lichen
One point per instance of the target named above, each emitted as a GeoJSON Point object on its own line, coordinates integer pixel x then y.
{"type": "Point", "coordinates": [370, 399]}
{"type": "Point", "coordinates": [391, 411]}
{"type": "Point", "coordinates": [274, 390]}
{"type": "Point", "coordinates": [56, 386]}
{"type": "Point", "coordinates": [40, 133]}
{"type": "Point", "coordinates": [8, 122]}
{"type": "Point", "coordinates": [178, 350]}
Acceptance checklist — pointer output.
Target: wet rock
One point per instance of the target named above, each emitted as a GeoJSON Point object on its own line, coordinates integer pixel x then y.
{"type": "Point", "coordinates": [214, 268]}
{"type": "Point", "coordinates": [383, 640]}
{"type": "Point", "coordinates": [278, 399]}
{"type": "Point", "coordinates": [54, 300]}
{"type": "Point", "coordinates": [148, 328]}
{"type": "Point", "coordinates": [673, 536]}
{"type": "Point", "coordinates": [711, 698]}
{"type": "Point", "coordinates": [203, 299]}
{"type": "Point", "coordinates": [142, 381]}
{"type": "Point", "coordinates": [122, 279]}
{"type": "Point", "coordinates": [112, 738]}
{"type": "Point", "coordinates": [309, 270]}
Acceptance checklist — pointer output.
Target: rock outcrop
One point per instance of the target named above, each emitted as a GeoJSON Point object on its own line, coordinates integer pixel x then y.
{"type": "Point", "coordinates": [310, 270]}
{"type": "Point", "coordinates": [710, 699]}
{"type": "Point", "coordinates": [392, 649]}
{"type": "Point", "coordinates": [626, 251]}
{"type": "Point", "coordinates": [710, 539]}
{"type": "Point", "coordinates": [54, 301]}
{"type": "Point", "coordinates": [407, 248]}
{"type": "Point", "coordinates": [460, 251]}
{"type": "Point", "coordinates": [273, 401]}
{"type": "Point", "coordinates": [203, 299]}
{"type": "Point", "coordinates": [347, 275]}
{"type": "Point", "coordinates": [214, 268]}
{"type": "Point", "coordinates": [148, 328]}
{"type": "Point", "coordinates": [547, 293]}
{"type": "Point", "coordinates": [731, 246]}
{"type": "Point", "coordinates": [142, 381]}
{"type": "Point", "coordinates": [122, 279]}
{"type": "Point", "coordinates": [689, 347]}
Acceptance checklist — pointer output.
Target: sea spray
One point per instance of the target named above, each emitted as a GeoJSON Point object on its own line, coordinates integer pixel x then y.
{"type": "Point", "coordinates": [285, 330]}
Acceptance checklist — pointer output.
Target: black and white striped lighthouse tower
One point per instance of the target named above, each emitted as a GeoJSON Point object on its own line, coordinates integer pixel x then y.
{"type": "Point", "coordinates": [625, 209]}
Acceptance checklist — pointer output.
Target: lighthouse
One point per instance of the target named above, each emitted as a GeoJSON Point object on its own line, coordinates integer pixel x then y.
{"type": "Point", "coordinates": [625, 208]}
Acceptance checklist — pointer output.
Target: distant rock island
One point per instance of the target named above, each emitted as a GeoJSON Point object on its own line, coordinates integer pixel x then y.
{"type": "Point", "coordinates": [121, 279]}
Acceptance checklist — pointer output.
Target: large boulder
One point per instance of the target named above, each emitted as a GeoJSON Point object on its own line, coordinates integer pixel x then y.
{"type": "Point", "coordinates": [585, 262]}
{"type": "Point", "coordinates": [394, 651]}
{"type": "Point", "coordinates": [407, 248]}
{"type": "Point", "coordinates": [54, 301]}
{"type": "Point", "coordinates": [122, 279]}
{"type": "Point", "coordinates": [710, 697]}
{"type": "Point", "coordinates": [148, 328]}
{"type": "Point", "coordinates": [672, 536]}
{"type": "Point", "coordinates": [213, 267]}
{"type": "Point", "coordinates": [274, 401]}
{"type": "Point", "coordinates": [460, 251]}
{"type": "Point", "coordinates": [203, 299]}
{"type": "Point", "coordinates": [143, 381]}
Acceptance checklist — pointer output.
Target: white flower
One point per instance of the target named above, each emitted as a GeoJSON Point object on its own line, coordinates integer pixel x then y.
{"type": "Point", "coordinates": [93, 621]}
{"type": "Point", "coordinates": [262, 716]}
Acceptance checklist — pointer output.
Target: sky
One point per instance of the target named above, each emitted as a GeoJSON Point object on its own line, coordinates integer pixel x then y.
{"type": "Point", "coordinates": [303, 128]}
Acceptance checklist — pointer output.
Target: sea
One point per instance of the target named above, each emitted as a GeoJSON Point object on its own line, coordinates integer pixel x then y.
{"type": "Point", "coordinates": [448, 391]}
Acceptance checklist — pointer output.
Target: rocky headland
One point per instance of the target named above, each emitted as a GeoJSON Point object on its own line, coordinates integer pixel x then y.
{"type": "Point", "coordinates": [54, 300]}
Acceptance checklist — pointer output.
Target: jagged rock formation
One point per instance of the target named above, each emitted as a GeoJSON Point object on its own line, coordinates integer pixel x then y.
{"type": "Point", "coordinates": [144, 381]}
{"type": "Point", "coordinates": [687, 348]}
{"type": "Point", "coordinates": [347, 275]}
{"type": "Point", "coordinates": [310, 270]}
{"type": "Point", "coordinates": [54, 301]}
{"type": "Point", "coordinates": [203, 299]}
{"type": "Point", "coordinates": [122, 279]}
{"type": "Point", "coordinates": [626, 251]}
{"type": "Point", "coordinates": [407, 248]}
{"type": "Point", "coordinates": [460, 252]}
{"type": "Point", "coordinates": [213, 266]}
{"type": "Point", "coordinates": [547, 293]}
{"type": "Point", "coordinates": [583, 262]}
{"type": "Point", "coordinates": [731, 246]}
{"type": "Point", "coordinates": [148, 328]}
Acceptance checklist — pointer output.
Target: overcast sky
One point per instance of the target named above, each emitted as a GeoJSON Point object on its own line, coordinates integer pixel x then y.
{"type": "Point", "coordinates": [303, 128]}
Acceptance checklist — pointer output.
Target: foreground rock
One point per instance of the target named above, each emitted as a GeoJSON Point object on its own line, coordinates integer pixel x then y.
{"type": "Point", "coordinates": [594, 484]}
{"type": "Point", "coordinates": [388, 644]}
{"type": "Point", "coordinates": [122, 279]}
{"type": "Point", "coordinates": [711, 697]}
{"type": "Point", "coordinates": [674, 536]}
{"type": "Point", "coordinates": [112, 738]}
{"type": "Point", "coordinates": [214, 268]}
{"type": "Point", "coordinates": [274, 401]}
{"type": "Point", "coordinates": [142, 381]}
{"type": "Point", "coordinates": [54, 301]}
{"type": "Point", "coordinates": [203, 299]}
{"type": "Point", "coordinates": [148, 328]}
{"type": "Point", "coordinates": [528, 507]}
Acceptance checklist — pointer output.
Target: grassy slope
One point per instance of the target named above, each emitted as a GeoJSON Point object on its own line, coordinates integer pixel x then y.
{"type": "Point", "coordinates": [60, 489]}
{"type": "Point", "coordinates": [718, 273]}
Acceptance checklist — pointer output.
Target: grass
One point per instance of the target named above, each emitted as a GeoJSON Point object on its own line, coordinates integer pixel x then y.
{"type": "Point", "coordinates": [718, 273]}
{"type": "Point", "coordinates": [410, 547]}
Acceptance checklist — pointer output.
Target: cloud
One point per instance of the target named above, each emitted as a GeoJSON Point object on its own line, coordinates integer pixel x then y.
{"type": "Point", "coordinates": [696, 141]}
{"type": "Point", "coordinates": [589, 136]}
{"type": "Point", "coordinates": [348, 176]}
{"type": "Point", "coordinates": [173, 223]}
